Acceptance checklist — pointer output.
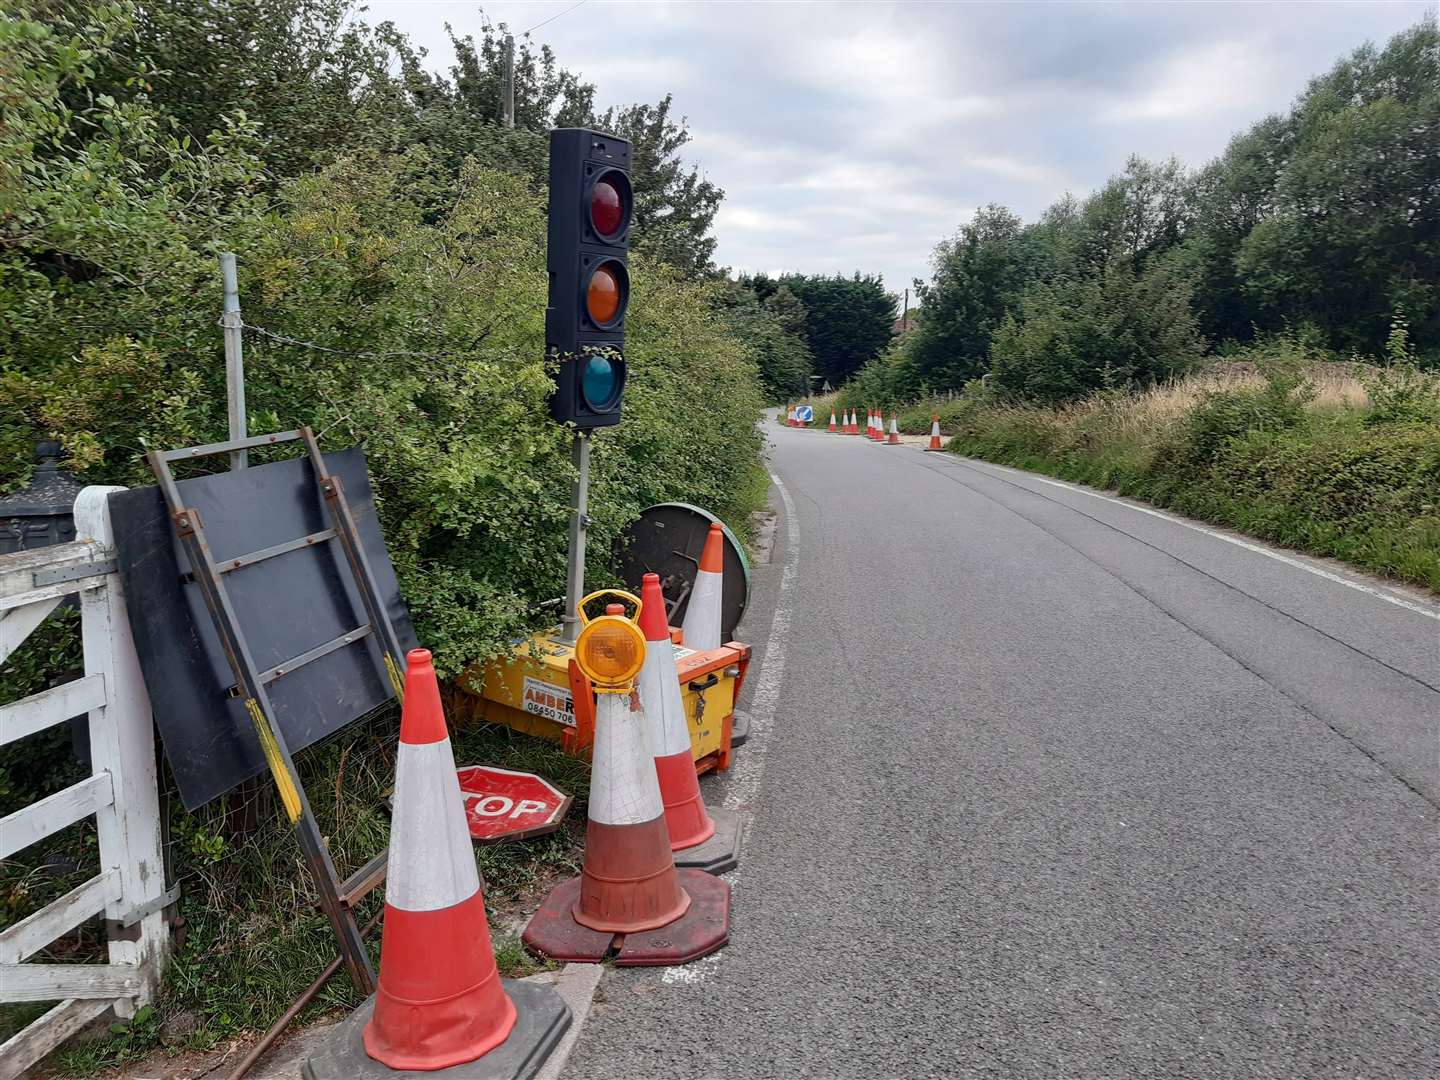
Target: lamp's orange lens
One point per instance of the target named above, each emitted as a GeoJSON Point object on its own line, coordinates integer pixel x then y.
{"type": "Point", "coordinates": [602, 296]}
{"type": "Point", "coordinates": [611, 650]}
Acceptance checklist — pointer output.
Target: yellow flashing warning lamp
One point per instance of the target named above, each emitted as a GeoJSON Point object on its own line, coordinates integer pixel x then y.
{"type": "Point", "coordinates": [610, 649]}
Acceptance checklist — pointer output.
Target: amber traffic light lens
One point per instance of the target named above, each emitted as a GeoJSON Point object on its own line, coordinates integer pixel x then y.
{"type": "Point", "coordinates": [604, 293]}
{"type": "Point", "coordinates": [611, 650]}
{"type": "Point", "coordinates": [607, 207]}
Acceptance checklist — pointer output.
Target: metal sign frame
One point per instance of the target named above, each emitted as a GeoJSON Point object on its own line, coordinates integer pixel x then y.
{"type": "Point", "coordinates": [337, 898]}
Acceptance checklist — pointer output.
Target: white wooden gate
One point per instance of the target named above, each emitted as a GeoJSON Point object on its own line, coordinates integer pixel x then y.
{"type": "Point", "coordinates": [121, 793]}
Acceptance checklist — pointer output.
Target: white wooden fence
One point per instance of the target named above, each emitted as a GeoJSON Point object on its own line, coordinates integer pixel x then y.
{"type": "Point", "coordinates": [121, 793]}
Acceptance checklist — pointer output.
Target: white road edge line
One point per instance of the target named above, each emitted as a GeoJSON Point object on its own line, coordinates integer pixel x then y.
{"type": "Point", "coordinates": [749, 767]}
{"type": "Point", "coordinates": [1360, 586]}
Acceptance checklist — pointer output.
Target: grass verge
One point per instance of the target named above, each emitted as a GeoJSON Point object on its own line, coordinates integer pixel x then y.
{"type": "Point", "coordinates": [1335, 460]}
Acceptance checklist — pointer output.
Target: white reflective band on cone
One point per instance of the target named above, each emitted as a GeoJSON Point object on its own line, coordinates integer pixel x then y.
{"type": "Point", "coordinates": [666, 728]}
{"type": "Point", "coordinates": [624, 789]}
{"type": "Point", "coordinates": [432, 860]}
{"type": "Point", "coordinates": [702, 615]}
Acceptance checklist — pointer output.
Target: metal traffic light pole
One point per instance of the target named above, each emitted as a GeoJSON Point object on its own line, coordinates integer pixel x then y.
{"type": "Point", "coordinates": [579, 522]}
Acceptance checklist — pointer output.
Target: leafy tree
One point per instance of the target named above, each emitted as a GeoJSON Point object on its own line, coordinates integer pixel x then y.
{"type": "Point", "coordinates": [1136, 216]}
{"type": "Point", "coordinates": [421, 295]}
{"type": "Point", "coordinates": [848, 320]}
{"type": "Point", "coordinates": [1355, 232]}
{"type": "Point", "coordinates": [775, 329]}
{"type": "Point", "coordinates": [674, 205]}
{"type": "Point", "coordinates": [546, 95]}
{"type": "Point", "coordinates": [1114, 329]}
{"type": "Point", "coordinates": [314, 81]}
{"type": "Point", "coordinates": [978, 276]}
{"type": "Point", "coordinates": [1233, 194]}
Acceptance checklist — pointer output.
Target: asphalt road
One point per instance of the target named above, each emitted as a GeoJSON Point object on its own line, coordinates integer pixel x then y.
{"type": "Point", "coordinates": [1045, 786]}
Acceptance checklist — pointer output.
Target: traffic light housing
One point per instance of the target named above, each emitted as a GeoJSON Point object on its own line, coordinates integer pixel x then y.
{"type": "Point", "coordinates": [591, 208]}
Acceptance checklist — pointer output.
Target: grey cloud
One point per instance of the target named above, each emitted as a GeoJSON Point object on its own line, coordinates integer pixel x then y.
{"type": "Point", "coordinates": [855, 136]}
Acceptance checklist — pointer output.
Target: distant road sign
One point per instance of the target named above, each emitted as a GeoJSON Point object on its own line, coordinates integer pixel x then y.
{"type": "Point", "coordinates": [502, 804]}
{"type": "Point", "coordinates": [804, 413]}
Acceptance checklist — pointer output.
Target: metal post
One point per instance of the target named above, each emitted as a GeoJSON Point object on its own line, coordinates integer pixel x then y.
{"type": "Point", "coordinates": [509, 100]}
{"type": "Point", "coordinates": [579, 522]}
{"type": "Point", "coordinates": [234, 357]}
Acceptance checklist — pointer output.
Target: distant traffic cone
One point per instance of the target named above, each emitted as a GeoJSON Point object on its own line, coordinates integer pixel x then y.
{"type": "Point", "coordinates": [894, 439]}
{"type": "Point", "coordinates": [440, 1001]}
{"type": "Point", "coordinates": [934, 434]}
{"type": "Point", "coordinates": [705, 839]}
{"type": "Point", "coordinates": [702, 613]}
{"type": "Point", "coordinates": [628, 884]}
{"type": "Point", "coordinates": [832, 429]}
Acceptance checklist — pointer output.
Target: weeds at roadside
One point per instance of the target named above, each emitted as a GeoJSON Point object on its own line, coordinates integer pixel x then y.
{"type": "Point", "coordinates": [1341, 460]}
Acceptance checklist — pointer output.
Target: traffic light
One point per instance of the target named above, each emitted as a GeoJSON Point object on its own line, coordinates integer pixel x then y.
{"type": "Point", "coordinates": [591, 205]}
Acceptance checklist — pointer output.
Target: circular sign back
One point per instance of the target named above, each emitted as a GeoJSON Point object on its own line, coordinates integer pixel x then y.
{"type": "Point", "coordinates": [667, 539]}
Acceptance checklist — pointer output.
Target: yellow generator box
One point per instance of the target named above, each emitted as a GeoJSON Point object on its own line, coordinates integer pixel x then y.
{"type": "Point", "coordinates": [540, 690]}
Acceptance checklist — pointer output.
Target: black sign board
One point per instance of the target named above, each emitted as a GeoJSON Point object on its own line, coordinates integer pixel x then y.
{"type": "Point", "coordinates": [287, 605]}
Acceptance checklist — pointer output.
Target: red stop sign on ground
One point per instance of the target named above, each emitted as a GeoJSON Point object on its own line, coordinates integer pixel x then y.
{"type": "Point", "coordinates": [502, 804]}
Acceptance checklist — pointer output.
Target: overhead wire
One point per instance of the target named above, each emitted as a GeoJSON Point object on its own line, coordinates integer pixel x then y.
{"type": "Point", "coordinates": [552, 18]}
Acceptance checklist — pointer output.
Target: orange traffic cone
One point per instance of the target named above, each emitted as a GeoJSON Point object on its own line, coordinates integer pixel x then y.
{"type": "Point", "coordinates": [705, 839]}
{"type": "Point", "coordinates": [877, 426]}
{"type": "Point", "coordinates": [441, 1001]}
{"type": "Point", "coordinates": [832, 429]}
{"type": "Point", "coordinates": [702, 614]}
{"type": "Point", "coordinates": [849, 422]}
{"type": "Point", "coordinates": [629, 884]}
{"type": "Point", "coordinates": [934, 434]}
{"type": "Point", "coordinates": [894, 439]}
{"type": "Point", "coordinates": [431, 1015]}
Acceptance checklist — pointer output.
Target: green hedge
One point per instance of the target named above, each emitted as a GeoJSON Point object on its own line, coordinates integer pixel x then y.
{"type": "Point", "coordinates": [1359, 484]}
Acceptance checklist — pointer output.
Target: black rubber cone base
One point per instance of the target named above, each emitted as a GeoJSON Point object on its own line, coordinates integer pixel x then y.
{"type": "Point", "coordinates": [541, 1018]}
{"type": "Point", "coordinates": [699, 932]}
{"type": "Point", "coordinates": [554, 934]}
{"type": "Point", "coordinates": [721, 852]}
{"type": "Point", "coordinates": [739, 728]}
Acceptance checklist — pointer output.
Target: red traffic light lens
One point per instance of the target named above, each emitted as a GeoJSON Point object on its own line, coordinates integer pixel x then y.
{"type": "Point", "coordinates": [607, 207]}
{"type": "Point", "coordinates": [610, 204]}
{"type": "Point", "coordinates": [605, 293]}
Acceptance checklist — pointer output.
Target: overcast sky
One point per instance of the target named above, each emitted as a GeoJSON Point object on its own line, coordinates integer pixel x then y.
{"type": "Point", "coordinates": [856, 135]}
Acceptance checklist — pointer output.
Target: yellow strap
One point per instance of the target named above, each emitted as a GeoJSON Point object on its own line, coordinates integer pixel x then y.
{"type": "Point", "coordinates": [396, 679]}
{"type": "Point", "coordinates": [288, 795]}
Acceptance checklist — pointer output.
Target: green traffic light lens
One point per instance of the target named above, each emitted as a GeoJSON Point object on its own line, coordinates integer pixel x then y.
{"type": "Point", "coordinates": [600, 383]}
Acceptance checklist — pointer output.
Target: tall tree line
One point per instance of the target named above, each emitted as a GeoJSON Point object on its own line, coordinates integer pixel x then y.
{"type": "Point", "coordinates": [320, 84]}
{"type": "Point", "coordinates": [1323, 222]}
